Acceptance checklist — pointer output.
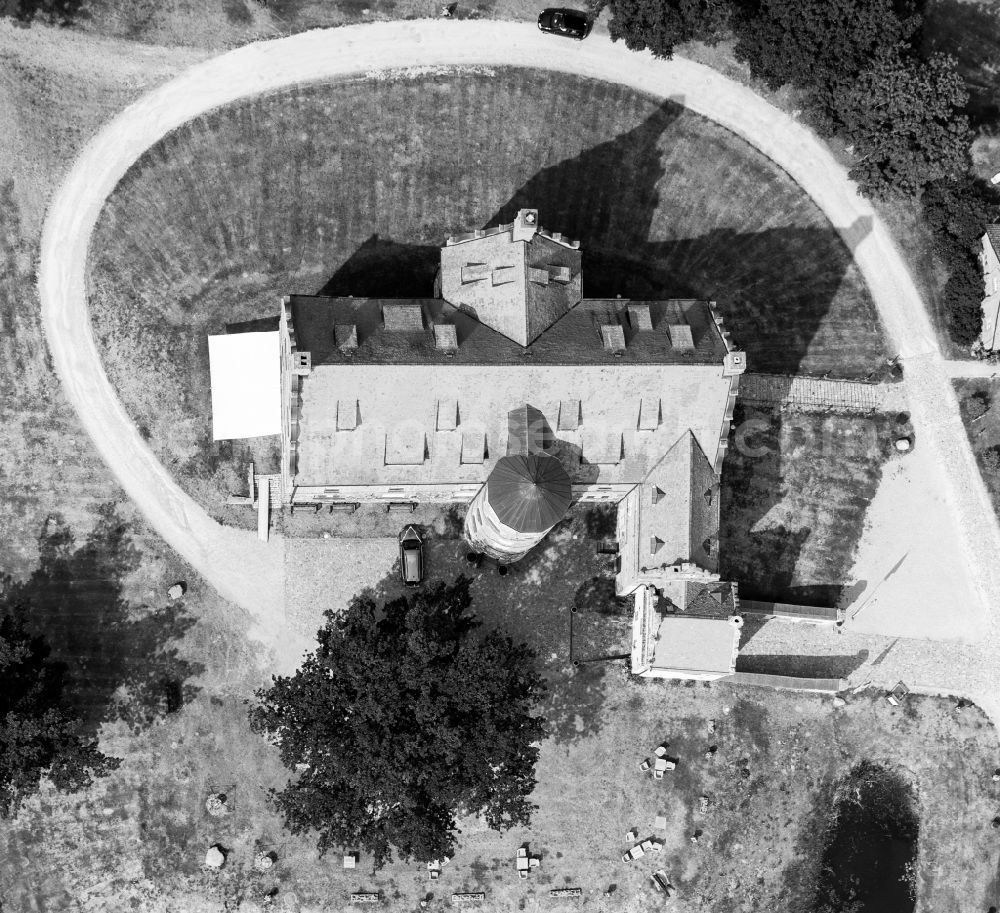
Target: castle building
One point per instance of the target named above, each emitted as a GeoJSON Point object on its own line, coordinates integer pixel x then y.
{"type": "Point", "coordinates": [511, 392]}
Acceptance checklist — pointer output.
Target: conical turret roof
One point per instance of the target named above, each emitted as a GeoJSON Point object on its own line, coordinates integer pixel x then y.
{"type": "Point", "coordinates": [529, 492]}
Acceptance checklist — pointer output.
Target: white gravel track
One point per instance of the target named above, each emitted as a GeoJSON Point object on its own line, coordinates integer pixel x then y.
{"type": "Point", "coordinates": [250, 573]}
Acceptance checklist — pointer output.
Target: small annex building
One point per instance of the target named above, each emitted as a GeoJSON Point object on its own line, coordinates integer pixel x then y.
{"type": "Point", "coordinates": [511, 392]}
{"type": "Point", "coordinates": [990, 258]}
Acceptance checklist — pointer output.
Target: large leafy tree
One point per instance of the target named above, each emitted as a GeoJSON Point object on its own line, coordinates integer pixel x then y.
{"type": "Point", "coordinates": [661, 24]}
{"type": "Point", "coordinates": [37, 737]}
{"type": "Point", "coordinates": [902, 117]}
{"type": "Point", "coordinates": [407, 715]}
{"type": "Point", "coordinates": [820, 46]}
{"type": "Point", "coordinates": [957, 211]}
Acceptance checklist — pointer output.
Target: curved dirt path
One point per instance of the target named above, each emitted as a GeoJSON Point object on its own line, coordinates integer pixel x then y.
{"type": "Point", "coordinates": [250, 573]}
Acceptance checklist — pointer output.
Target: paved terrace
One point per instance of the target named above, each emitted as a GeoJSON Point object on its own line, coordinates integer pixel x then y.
{"type": "Point", "coordinates": [251, 574]}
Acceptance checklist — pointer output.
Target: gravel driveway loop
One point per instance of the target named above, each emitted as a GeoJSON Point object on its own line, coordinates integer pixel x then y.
{"type": "Point", "coordinates": [250, 573]}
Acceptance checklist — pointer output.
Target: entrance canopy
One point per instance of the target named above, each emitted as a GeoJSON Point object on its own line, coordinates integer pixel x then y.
{"type": "Point", "coordinates": [246, 385]}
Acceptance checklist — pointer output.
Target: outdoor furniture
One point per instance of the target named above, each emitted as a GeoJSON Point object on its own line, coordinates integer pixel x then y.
{"type": "Point", "coordinates": [534, 862]}
{"type": "Point", "coordinates": [637, 852]}
{"type": "Point", "coordinates": [661, 765]}
{"type": "Point", "coordinates": [656, 845]}
{"type": "Point", "coordinates": [646, 845]}
{"type": "Point", "coordinates": [350, 860]}
{"type": "Point", "coordinates": [631, 835]}
{"type": "Point", "coordinates": [662, 883]}
{"type": "Point", "coordinates": [898, 694]}
{"type": "Point", "coordinates": [644, 765]}
{"type": "Point", "coordinates": [522, 873]}
{"type": "Point", "coordinates": [660, 750]}
{"type": "Point", "coordinates": [521, 862]}
{"type": "Point", "coordinates": [660, 823]}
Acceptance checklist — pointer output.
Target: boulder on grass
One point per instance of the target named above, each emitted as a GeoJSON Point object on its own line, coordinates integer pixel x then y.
{"type": "Point", "coordinates": [215, 858]}
{"type": "Point", "coordinates": [263, 861]}
{"type": "Point", "coordinates": [216, 806]}
{"type": "Point", "coordinates": [177, 590]}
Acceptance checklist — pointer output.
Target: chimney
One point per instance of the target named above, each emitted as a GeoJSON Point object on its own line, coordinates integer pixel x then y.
{"type": "Point", "coordinates": [403, 318]}
{"type": "Point", "coordinates": [639, 317]}
{"type": "Point", "coordinates": [680, 336]}
{"type": "Point", "coordinates": [525, 225]}
{"type": "Point", "coordinates": [445, 338]}
{"type": "Point", "coordinates": [613, 337]}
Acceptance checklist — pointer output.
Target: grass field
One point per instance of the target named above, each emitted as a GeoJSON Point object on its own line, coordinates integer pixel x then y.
{"type": "Point", "coordinates": [795, 488]}
{"type": "Point", "coordinates": [983, 428]}
{"type": "Point", "coordinates": [285, 194]}
{"type": "Point", "coordinates": [226, 23]}
{"type": "Point", "coordinates": [137, 840]}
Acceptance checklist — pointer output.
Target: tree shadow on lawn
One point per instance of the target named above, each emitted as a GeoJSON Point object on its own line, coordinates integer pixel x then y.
{"type": "Point", "coordinates": [774, 286]}
{"type": "Point", "coordinates": [121, 661]}
{"type": "Point", "coordinates": [969, 32]}
{"type": "Point", "coordinates": [531, 603]}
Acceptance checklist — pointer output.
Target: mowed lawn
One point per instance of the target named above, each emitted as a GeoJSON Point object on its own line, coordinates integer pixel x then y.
{"type": "Point", "coordinates": [351, 188]}
{"type": "Point", "coordinates": [795, 489]}
{"type": "Point", "coordinates": [137, 840]}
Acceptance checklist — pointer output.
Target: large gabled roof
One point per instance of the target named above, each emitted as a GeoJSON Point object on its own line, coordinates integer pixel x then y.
{"type": "Point", "coordinates": [574, 339]}
{"type": "Point", "coordinates": [680, 509]}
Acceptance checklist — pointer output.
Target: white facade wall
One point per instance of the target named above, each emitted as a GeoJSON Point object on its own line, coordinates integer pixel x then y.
{"type": "Point", "coordinates": [991, 300]}
{"type": "Point", "coordinates": [457, 493]}
{"type": "Point", "coordinates": [488, 534]}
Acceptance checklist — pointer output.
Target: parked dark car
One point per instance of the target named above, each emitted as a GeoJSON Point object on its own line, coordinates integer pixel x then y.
{"type": "Point", "coordinates": [571, 23]}
{"type": "Point", "coordinates": [411, 556]}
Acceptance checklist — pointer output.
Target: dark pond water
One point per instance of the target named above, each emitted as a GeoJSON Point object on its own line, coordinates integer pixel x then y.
{"type": "Point", "coordinates": [871, 852]}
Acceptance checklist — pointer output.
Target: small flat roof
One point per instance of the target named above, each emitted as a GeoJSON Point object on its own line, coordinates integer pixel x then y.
{"type": "Point", "coordinates": [686, 644]}
{"type": "Point", "coordinates": [246, 385]}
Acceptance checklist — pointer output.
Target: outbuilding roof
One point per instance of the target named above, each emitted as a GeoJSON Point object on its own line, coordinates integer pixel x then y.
{"type": "Point", "coordinates": [993, 233]}
{"type": "Point", "coordinates": [695, 644]}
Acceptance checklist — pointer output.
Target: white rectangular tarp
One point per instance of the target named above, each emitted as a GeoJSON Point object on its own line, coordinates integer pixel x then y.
{"type": "Point", "coordinates": [246, 385]}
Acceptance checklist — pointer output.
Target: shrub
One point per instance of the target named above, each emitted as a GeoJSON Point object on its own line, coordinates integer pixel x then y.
{"type": "Point", "coordinates": [977, 405]}
{"type": "Point", "coordinates": [963, 293]}
{"type": "Point", "coordinates": [990, 460]}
